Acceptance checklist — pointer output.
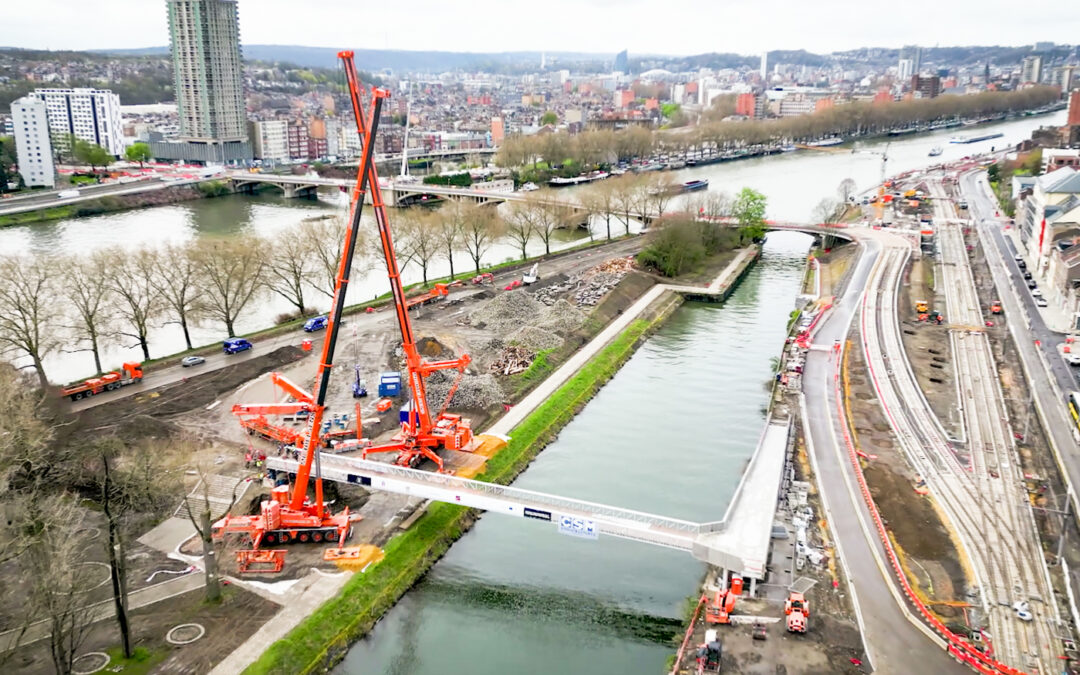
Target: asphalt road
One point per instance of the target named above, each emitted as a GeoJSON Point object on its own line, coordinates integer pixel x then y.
{"type": "Point", "coordinates": [160, 377]}
{"type": "Point", "coordinates": [893, 643]}
{"type": "Point", "coordinates": [49, 199]}
{"type": "Point", "coordinates": [1027, 326]}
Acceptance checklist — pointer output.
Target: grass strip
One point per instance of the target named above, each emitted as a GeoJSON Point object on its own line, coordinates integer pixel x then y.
{"type": "Point", "coordinates": [323, 638]}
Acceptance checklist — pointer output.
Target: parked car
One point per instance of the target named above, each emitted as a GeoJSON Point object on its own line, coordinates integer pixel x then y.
{"type": "Point", "coordinates": [962, 205]}
{"type": "Point", "coordinates": [1036, 293]}
{"type": "Point", "coordinates": [317, 323]}
{"type": "Point", "coordinates": [189, 361]}
{"type": "Point", "coordinates": [1031, 283]}
{"type": "Point", "coordinates": [1040, 302]}
{"type": "Point", "coordinates": [1027, 275]}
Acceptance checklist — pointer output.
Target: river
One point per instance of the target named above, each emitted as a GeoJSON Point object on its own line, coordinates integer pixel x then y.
{"type": "Point", "coordinates": [669, 434]}
{"type": "Point", "coordinates": [793, 183]}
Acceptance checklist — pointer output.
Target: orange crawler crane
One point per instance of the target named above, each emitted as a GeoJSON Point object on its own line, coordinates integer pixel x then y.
{"type": "Point", "coordinates": [420, 435]}
{"type": "Point", "coordinates": [723, 604]}
{"type": "Point", "coordinates": [286, 518]}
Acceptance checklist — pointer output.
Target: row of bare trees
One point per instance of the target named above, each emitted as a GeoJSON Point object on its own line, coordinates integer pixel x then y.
{"type": "Point", "coordinates": [119, 296]}
{"type": "Point", "coordinates": [714, 134]}
{"type": "Point", "coordinates": [82, 304]}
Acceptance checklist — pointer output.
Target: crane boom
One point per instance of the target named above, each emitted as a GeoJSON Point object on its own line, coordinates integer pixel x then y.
{"type": "Point", "coordinates": [341, 285]}
{"type": "Point", "coordinates": [419, 434]}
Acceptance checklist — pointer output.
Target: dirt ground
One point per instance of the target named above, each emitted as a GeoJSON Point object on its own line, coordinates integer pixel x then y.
{"type": "Point", "coordinates": [912, 519]}
{"type": "Point", "coordinates": [834, 265]}
{"type": "Point", "coordinates": [227, 625]}
{"type": "Point", "coordinates": [927, 343]}
{"type": "Point", "coordinates": [828, 647]}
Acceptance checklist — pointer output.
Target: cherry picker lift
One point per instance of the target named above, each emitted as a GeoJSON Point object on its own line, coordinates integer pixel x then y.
{"type": "Point", "coordinates": [286, 518]}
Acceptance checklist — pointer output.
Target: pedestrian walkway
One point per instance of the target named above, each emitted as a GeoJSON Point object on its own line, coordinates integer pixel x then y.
{"type": "Point", "coordinates": [301, 600]}
{"type": "Point", "coordinates": [106, 609]}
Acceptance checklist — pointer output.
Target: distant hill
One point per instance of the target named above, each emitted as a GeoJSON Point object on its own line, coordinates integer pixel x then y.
{"type": "Point", "coordinates": [394, 59]}
{"type": "Point", "coordinates": [401, 60]}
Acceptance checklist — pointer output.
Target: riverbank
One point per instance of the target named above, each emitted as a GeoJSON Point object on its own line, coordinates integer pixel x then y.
{"type": "Point", "coordinates": [114, 203]}
{"type": "Point", "coordinates": [322, 639]}
{"type": "Point", "coordinates": [833, 641]}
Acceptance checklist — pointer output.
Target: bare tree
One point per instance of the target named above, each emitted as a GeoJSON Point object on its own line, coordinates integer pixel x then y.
{"type": "Point", "coordinates": [325, 238]}
{"type": "Point", "coordinates": [55, 572]}
{"type": "Point", "coordinates": [712, 205]}
{"type": "Point", "coordinates": [482, 226]}
{"type": "Point", "coordinates": [827, 211]}
{"type": "Point", "coordinates": [521, 225]}
{"type": "Point", "coordinates": [600, 200]}
{"type": "Point", "coordinates": [132, 279]}
{"type": "Point", "coordinates": [629, 191]}
{"type": "Point", "coordinates": [28, 310]}
{"type": "Point", "coordinates": [418, 239]}
{"type": "Point", "coordinates": [231, 276]}
{"type": "Point", "coordinates": [659, 190]}
{"type": "Point", "coordinates": [449, 230]}
{"type": "Point", "coordinates": [177, 284]}
{"type": "Point", "coordinates": [547, 215]}
{"type": "Point", "coordinates": [290, 267]}
{"type": "Point", "coordinates": [127, 483]}
{"type": "Point", "coordinates": [846, 190]}
{"type": "Point", "coordinates": [203, 523]}
{"type": "Point", "coordinates": [89, 296]}
{"type": "Point", "coordinates": [25, 437]}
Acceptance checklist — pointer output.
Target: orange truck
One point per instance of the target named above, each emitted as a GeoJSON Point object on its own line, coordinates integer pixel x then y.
{"type": "Point", "coordinates": [129, 373]}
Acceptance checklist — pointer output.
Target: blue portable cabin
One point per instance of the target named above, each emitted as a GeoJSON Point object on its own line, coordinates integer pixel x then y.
{"type": "Point", "coordinates": [390, 384]}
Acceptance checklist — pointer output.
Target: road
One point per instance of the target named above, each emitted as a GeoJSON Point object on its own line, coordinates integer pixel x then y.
{"type": "Point", "coordinates": [891, 638]}
{"type": "Point", "coordinates": [1047, 374]}
{"type": "Point", "coordinates": [37, 201]}
{"type": "Point", "coordinates": [166, 375]}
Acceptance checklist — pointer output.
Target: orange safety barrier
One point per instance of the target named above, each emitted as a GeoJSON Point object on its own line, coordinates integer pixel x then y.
{"type": "Point", "coordinates": [959, 648]}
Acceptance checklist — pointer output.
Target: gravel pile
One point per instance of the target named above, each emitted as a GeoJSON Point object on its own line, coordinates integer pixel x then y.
{"type": "Point", "coordinates": [474, 393]}
{"type": "Point", "coordinates": [513, 359]}
{"type": "Point", "coordinates": [507, 310]}
{"type": "Point", "coordinates": [561, 317]}
{"type": "Point", "coordinates": [535, 338]}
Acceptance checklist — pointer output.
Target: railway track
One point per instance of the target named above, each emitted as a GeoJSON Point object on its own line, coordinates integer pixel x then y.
{"type": "Point", "coordinates": [975, 480]}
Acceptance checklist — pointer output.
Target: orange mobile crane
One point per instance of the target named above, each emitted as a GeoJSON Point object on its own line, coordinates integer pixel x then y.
{"type": "Point", "coordinates": [420, 435]}
{"type": "Point", "coordinates": [284, 517]}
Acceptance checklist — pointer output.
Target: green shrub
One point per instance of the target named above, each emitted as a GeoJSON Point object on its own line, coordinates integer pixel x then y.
{"type": "Point", "coordinates": [457, 180]}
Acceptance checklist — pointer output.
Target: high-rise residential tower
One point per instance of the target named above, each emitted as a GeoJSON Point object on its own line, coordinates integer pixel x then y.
{"type": "Point", "coordinates": [622, 63]}
{"type": "Point", "coordinates": [91, 115]}
{"type": "Point", "coordinates": [208, 76]}
{"type": "Point", "coordinates": [30, 123]}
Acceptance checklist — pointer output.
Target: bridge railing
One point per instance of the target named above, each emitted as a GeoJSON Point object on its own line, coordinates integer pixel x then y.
{"type": "Point", "coordinates": [370, 469]}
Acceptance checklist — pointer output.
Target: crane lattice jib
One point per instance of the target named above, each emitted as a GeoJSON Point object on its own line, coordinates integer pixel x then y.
{"type": "Point", "coordinates": [341, 284]}
{"type": "Point", "coordinates": [421, 415]}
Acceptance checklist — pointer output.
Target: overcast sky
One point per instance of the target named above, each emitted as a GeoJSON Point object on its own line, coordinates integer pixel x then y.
{"type": "Point", "coordinates": [601, 26]}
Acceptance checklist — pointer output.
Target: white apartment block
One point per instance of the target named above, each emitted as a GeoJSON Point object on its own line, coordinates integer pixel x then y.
{"type": "Point", "coordinates": [270, 139]}
{"type": "Point", "coordinates": [30, 124]}
{"type": "Point", "coordinates": [92, 115]}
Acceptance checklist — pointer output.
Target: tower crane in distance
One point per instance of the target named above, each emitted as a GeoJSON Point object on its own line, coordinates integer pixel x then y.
{"type": "Point", "coordinates": [422, 434]}
{"type": "Point", "coordinates": [286, 518]}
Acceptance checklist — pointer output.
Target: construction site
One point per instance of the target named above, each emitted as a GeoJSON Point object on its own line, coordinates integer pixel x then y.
{"type": "Point", "coordinates": [412, 381]}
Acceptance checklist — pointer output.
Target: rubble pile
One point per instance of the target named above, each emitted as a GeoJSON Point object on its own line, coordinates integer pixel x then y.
{"type": "Point", "coordinates": [534, 338]}
{"type": "Point", "coordinates": [475, 392]}
{"type": "Point", "coordinates": [589, 287]}
{"type": "Point", "coordinates": [561, 317]}
{"type": "Point", "coordinates": [513, 359]}
{"type": "Point", "coordinates": [507, 311]}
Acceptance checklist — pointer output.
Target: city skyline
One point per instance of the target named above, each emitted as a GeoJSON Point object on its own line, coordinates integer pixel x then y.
{"type": "Point", "coordinates": [834, 26]}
